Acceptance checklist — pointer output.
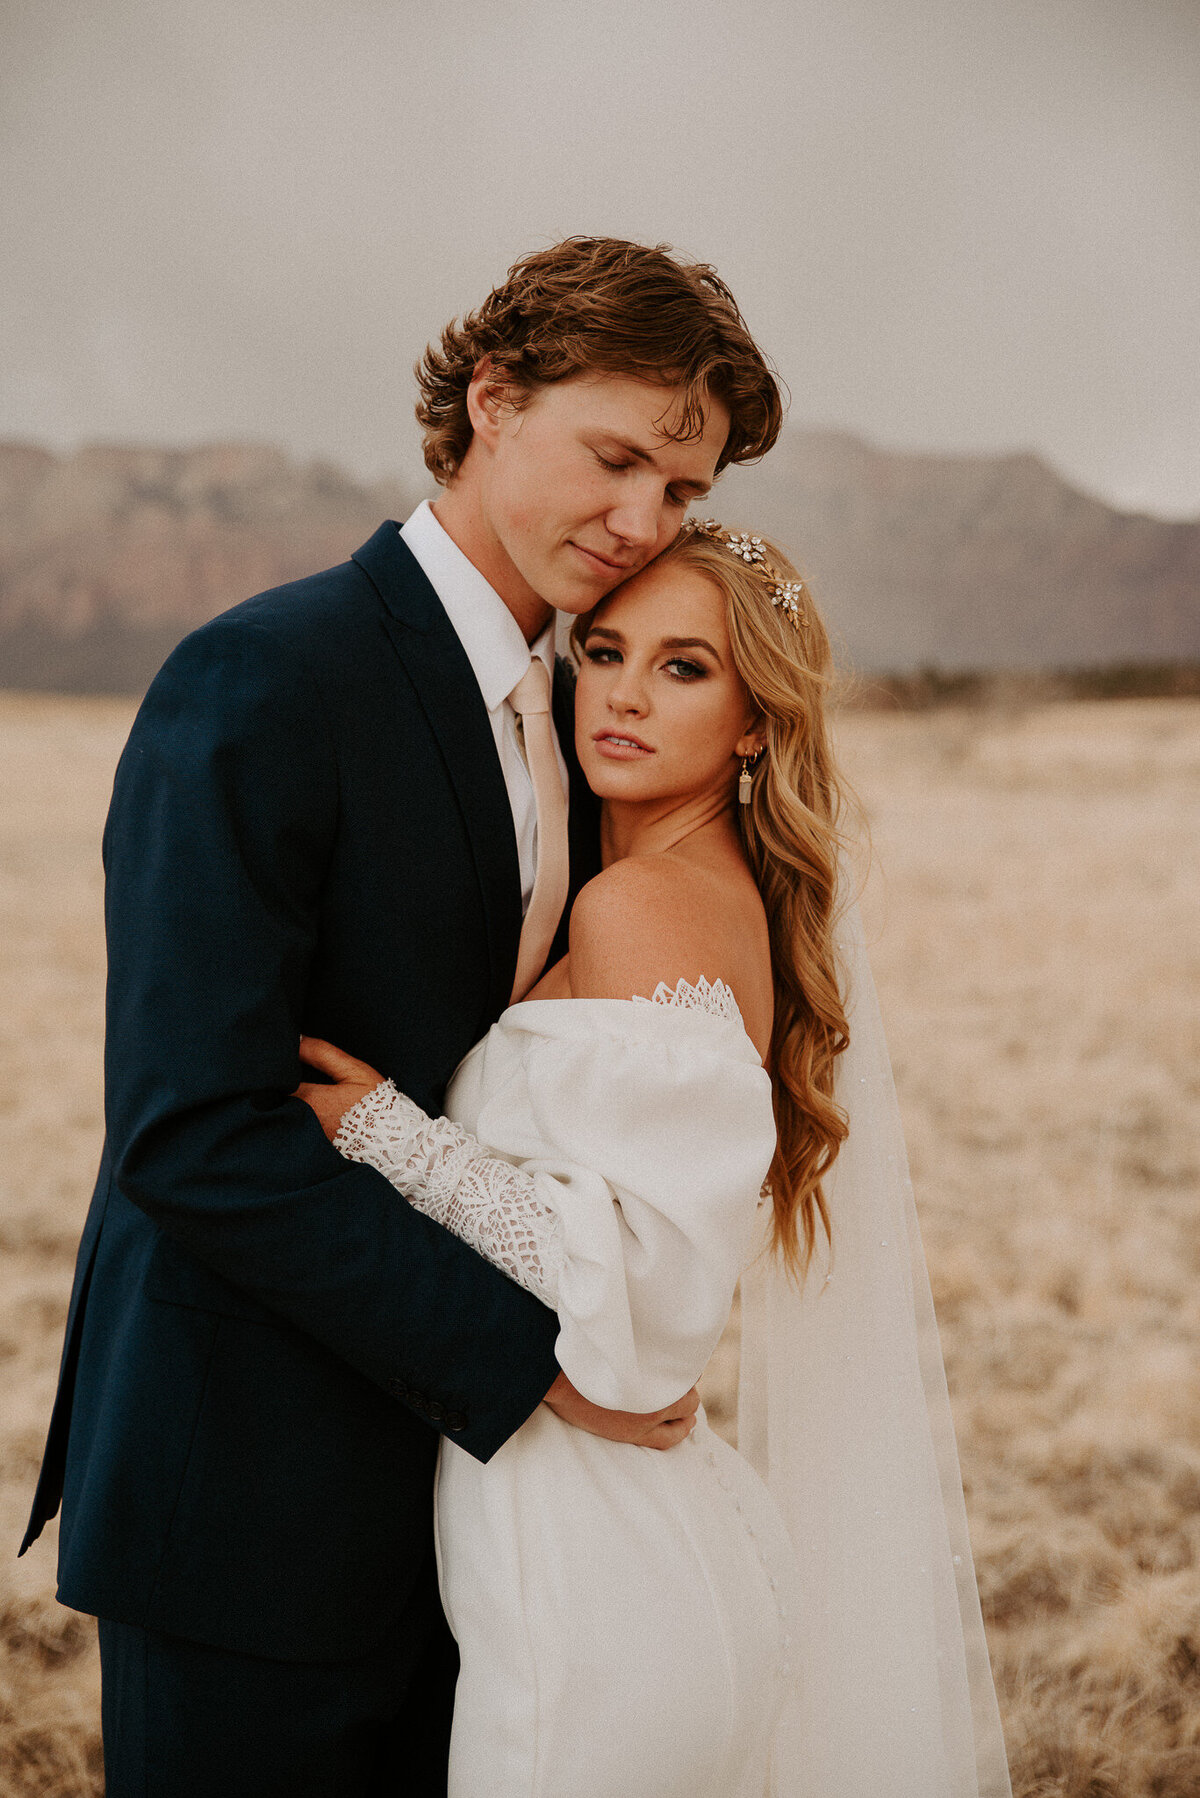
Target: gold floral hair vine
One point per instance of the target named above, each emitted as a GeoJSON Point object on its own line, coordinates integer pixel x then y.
{"type": "Point", "coordinates": [786, 596]}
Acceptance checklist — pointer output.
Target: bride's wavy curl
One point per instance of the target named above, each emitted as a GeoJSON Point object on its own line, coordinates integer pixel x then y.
{"type": "Point", "coordinates": [792, 841]}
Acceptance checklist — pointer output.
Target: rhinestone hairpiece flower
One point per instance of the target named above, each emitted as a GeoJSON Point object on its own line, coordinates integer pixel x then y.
{"type": "Point", "coordinates": [750, 549]}
{"type": "Point", "coordinates": [786, 596]}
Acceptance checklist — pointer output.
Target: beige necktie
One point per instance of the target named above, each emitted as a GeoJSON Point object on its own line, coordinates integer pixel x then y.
{"type": "Point", "coordinates": [530, 699]}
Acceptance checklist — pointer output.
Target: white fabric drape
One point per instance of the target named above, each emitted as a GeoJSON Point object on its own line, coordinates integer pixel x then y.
{"type": "Point", "coordinates": [843, 1410]}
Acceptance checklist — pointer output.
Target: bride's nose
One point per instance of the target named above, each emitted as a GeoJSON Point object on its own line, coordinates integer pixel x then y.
{"type": "Point", "coordinates": [627, 693]}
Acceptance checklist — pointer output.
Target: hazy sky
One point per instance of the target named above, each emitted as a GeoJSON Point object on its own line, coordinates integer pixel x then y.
{"type": "Point", "coordinates": [955, 224]}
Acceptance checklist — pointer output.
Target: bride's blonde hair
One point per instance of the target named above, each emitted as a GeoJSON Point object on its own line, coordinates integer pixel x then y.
{"type": "Point", "coordinates": [791, 837]}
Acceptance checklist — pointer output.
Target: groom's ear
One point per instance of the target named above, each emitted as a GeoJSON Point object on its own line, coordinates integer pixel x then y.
{"type": "Point", "coordinates": [487, 400]}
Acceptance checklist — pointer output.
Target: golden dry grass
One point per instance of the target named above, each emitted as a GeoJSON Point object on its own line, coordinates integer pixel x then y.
{"type": "Point", "coordinates": [1035, 909]}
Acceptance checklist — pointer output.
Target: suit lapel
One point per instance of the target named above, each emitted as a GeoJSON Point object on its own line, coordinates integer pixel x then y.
{"type": "Point", "coordinates": [446, 688]}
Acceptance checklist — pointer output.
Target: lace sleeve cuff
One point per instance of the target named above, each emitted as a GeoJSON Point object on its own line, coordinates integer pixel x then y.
{"type": "Point", "coordinates": [448, 1174]}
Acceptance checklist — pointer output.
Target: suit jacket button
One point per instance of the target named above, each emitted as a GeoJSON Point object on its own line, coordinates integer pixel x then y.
{"type": "Point", "coordinates": [455, 1420]}
{"type": "Point", "coordinates": [437, 1412]}
{"type": "Point", "coordinates": [399, 1388]}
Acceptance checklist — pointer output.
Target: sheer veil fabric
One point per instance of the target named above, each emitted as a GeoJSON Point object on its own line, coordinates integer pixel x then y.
{"type": "Point", "coordinates": [843, 1410]}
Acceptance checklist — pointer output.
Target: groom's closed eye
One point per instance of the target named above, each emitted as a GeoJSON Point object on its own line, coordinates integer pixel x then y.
{"type": "Point", "coordinates": [673, 498]}
{"type": "Point", "coordinates": [620, 455]}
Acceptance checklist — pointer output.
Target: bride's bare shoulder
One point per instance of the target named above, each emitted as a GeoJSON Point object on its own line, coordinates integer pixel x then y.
{"type": "Point", "coordinates": [654, 918]}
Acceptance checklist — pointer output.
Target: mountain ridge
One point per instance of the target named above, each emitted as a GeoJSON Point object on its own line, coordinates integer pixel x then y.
{"type": "Point", "coordinates": [109, 554]}
{"type": "Point", "coordinates": [972, 562]}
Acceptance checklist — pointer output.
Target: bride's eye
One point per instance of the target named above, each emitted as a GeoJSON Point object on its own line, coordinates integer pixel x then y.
{"type": "Point", "coordinates": [601, 653]}
{"type": "Point", "coordinates": [684, 670]}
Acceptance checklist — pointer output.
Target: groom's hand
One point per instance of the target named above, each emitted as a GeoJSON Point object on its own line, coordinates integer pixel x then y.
{"type": "Point", "coordinates": [651, 1429]}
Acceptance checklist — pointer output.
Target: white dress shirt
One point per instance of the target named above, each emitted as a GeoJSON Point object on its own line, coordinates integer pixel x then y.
{"type": "Point", "coordinates": [498, 654]}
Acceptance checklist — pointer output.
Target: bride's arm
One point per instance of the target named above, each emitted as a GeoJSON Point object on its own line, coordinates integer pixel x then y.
{"type": "Point", "coordinates": [448, 1174]}
{"type": "Point", "coordinates": [634, 1222]}
{"type": "Point", "coordinates": [483, 1200]}
{"type": "Point", "coordinates": [440, 1168]}
{"type": "Point", "coordinates": [633, 927]}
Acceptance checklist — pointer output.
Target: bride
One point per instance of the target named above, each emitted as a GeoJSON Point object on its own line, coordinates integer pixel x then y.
{"type": "Point", "coordinates": [799, 1618]}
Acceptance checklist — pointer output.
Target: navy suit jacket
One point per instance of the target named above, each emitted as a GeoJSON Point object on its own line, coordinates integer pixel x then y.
{"type": "Point", "coordinates": [309, 831]}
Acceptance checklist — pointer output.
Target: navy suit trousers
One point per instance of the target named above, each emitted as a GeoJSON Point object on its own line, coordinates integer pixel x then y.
{"type": "Point", "coordinates": [182, 1720]}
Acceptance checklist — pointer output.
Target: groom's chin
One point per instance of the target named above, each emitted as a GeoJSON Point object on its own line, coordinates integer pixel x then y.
{"type": "Point", "coordinates": [575, 599]}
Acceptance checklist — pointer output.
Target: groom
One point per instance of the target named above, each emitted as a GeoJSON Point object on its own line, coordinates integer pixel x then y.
{"type": "Point", "coordinates": [324, 822]}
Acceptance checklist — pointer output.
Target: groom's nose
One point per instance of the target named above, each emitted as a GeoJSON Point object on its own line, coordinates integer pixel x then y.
{"type": "Point", "coordinates": [639, 516]}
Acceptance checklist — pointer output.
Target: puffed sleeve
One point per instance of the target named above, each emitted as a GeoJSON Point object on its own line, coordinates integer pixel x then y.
{"type": "Point", "coordinates": [614, 1166]}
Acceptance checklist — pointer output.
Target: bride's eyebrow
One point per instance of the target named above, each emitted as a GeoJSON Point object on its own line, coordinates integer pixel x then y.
{"type": "Point", "coordinates": [606, 630]}
{"type": "Point", "coordinates": [693, 643]}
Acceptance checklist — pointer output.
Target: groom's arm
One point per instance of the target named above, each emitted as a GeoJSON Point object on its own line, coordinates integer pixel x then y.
{"type": "Point", "coordinates": [220, 832]}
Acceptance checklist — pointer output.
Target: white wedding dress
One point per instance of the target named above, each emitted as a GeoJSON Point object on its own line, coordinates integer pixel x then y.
{"type": "Point", "coordinates": [637, 1623]}
{"type": "Point", "coordinates": [623, 1614]}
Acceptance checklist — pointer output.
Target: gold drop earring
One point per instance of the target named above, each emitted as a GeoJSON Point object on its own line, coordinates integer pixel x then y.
{"type": "Point", "coordinates": [746, 777]}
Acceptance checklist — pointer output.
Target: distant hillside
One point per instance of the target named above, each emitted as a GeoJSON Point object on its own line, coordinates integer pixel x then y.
{"type": "Point", "coordinates": [970, 562]}
{"type": "Point", "coordinates": [108, 556]}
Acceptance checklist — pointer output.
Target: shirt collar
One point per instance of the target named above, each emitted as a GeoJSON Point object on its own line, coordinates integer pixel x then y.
{"type": "Point", "coordinates": [493, 640]}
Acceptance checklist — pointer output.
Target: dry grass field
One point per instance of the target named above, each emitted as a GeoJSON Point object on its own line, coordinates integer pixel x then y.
{"type": "Point", "coordinates": [1035, 908]}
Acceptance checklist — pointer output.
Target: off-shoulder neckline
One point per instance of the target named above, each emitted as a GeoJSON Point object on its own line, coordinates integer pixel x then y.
{"type": "Point", "coordinates": [710, 999]}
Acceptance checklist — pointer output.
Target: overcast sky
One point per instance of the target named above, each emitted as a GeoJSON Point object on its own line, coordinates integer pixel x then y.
{"type": "Point", "coordinates": [954, 224]}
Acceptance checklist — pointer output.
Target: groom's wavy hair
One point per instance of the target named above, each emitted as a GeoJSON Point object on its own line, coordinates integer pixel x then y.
{"type": "Point", "coordinates": [793, 840]}
{"type": "Point", "coordinates": [602, 305]}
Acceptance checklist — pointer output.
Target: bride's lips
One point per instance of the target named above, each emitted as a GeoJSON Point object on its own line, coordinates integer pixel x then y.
{"type": "Point", "coordinates": [620, 745]}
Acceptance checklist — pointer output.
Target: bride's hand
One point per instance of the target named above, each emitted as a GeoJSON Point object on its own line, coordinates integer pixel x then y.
{"type": "Point", "coordinates": [351, 1079]}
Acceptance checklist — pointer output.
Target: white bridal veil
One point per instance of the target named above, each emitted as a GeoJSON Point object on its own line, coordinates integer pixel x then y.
{"type": "Point", "coordinates": [843, 1409]}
